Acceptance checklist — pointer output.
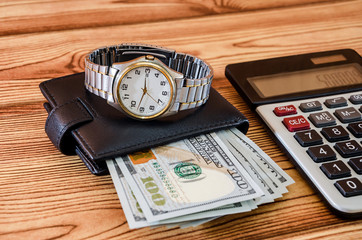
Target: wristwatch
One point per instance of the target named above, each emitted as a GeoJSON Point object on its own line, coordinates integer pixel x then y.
{"type": "Point", "coordinates": [147, 82]}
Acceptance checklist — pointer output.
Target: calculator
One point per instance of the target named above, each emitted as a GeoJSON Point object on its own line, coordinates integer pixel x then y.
{"type": "Point", "coordinates": [312, 105]}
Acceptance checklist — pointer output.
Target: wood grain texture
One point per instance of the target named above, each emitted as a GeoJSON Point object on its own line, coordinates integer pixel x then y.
{"type": "Point", "coordinates": [46, 195]}
{"type": "Point", "coordinates": [19, 17]}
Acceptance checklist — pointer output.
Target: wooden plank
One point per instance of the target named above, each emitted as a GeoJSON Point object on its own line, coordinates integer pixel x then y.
{"type": "Point", "coordinates": [19, 17]}
{"type": "Point", "coordinates": [239, 37]}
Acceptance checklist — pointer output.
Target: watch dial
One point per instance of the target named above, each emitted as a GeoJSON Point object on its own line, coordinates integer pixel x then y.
{"type": "Point", "coordinates": [145, 91]}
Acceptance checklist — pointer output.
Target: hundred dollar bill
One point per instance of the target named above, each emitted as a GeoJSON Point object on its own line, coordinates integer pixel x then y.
{"type": "Point", "coordinates": [134, 213]}
{"type": "Point", "coordinates": [131, 208]}
{"type": "Point", "coordinates": [185, 177]}
{"type": "Point", "coordinates": [196, 223]}
{"type": "Point", "coordinates": [267, 165]}
{"type": "Point", "coordinates": [271, 192]}
{"type": "Point", "coordinates": [212, 213]}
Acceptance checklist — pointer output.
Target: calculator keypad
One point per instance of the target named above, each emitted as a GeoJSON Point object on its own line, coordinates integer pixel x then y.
{"type": "Point", "coordinates": [322, 119]}
{"type": "Point", "coordinates": [335, 102]}
{"type": "Point", "coordinates": [347, 115]}
{"type": "Point", "coordinates": [285, 110]}
{"type": "Point", "coordinates": [327, 132]}
{"type": "Point", "coordinates": [356, 164]}
{"type": "Point", "coordinates": [355, 129]}
{"type": "Point", "coordinates": [308, 138]}
{"type": "Point", "coordinates": [337, 169]}
{"type": "Point", "coordinates": [296, 123]}
{"type": "Point", "coordinates": [335, 133]}
{"type": "Point", "coordinates": [310, 106]}
{"type": "Point", "coordinates": [348, 149]}
{"type": "Point", "coordinates": [321, 153]}
{"type": "Point", "coordinates": [356, 98]}
{"type": "Point", "coordinates": [349, 187]}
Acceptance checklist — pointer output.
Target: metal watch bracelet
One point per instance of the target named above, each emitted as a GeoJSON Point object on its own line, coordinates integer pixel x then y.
{"type": "Point", "coordinates": [191, 92]}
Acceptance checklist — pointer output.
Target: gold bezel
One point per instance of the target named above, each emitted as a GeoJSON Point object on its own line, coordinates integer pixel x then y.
{"type": "Point", "coordinates": [145, 64]}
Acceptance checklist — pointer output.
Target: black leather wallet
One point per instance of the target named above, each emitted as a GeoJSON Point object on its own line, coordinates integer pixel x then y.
{"type": "Point", "coordinates": [84, 124]}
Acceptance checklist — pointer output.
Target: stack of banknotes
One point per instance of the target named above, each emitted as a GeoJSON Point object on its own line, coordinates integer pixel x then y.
{"type": "Point", "coordinates": [196, 180]}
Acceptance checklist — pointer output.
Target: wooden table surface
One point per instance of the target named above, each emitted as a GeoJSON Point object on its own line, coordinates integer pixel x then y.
{"type": "Point", "coordinates": [46, 195]}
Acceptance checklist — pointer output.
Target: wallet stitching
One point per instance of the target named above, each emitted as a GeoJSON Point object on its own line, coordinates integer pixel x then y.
{"type": "Point", "coordinates": [55, 109]}
{"type": "Point", "coordinates": [85, 116]}
{"type": "Point", "coordinates": [159, 138]}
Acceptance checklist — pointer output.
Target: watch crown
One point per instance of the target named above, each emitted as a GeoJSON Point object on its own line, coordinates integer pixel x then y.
{"type": "Point", "coordinates": [150, 57]}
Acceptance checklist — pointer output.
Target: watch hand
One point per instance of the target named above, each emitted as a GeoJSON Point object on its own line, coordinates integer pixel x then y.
{"type": "Point", "coordinates": [144, 93]}
{"type": "Point", "coordinates": [152, 98]}
{"type": "Point", "coordinates": [145, 87]}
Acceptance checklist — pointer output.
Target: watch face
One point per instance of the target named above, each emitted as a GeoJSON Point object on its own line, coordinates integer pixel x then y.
{"type": "Point", "coordinates": [145, 91]}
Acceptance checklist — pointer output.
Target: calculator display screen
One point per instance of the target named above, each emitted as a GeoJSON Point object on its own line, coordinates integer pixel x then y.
{"type": "Point", "coordinates": [307, 80]}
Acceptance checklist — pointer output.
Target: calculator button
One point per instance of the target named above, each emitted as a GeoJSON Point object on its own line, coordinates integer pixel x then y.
{"type": "Point", "coordinates": [356, 164]}
{"type": "Point", "coordinates": [285, 110]}
{"type": "Point", "coordinates": [296, 123]}
{"type": "Point", "coordinates": [349, 187]}
{"type": "Point", "coordinates": [322, 119]}
{"type": "Point", "coordinates": [337, 169]}
{"type": "Point", "coordinates": [308, 138]}
{"type": "Point", "coordinates": [348, 149]}
{"type": "Point", "coordinates": [334, 134]}
{"type": "Point", "coordinates": [321, 153]}
{"type": "Point", "coordinates": [355, 129]}
{"type": "Point", "coordinates": [336, 102]}
{"type": "Point", "coordinates": [347, 115]}
{"type": "Point", "coordinates": [356, 98]}
{"type": "Point", "coordinates": [310, 106]}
